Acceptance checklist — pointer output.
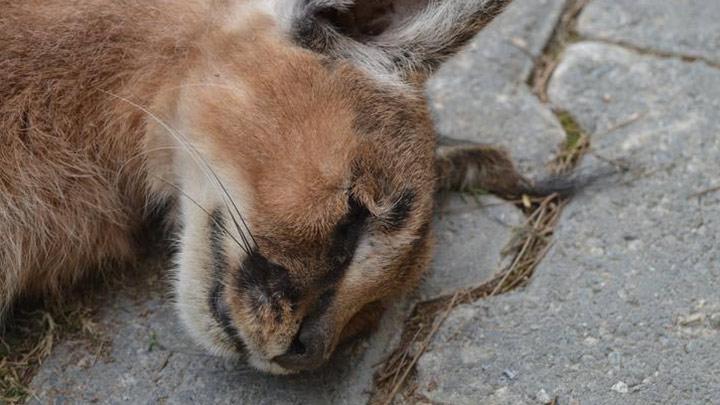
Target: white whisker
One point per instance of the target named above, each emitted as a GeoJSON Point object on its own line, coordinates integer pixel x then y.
{"type": "Point", "coordinates": [200, 161]}
{"type": "Point", "coordinates": [203, 209]}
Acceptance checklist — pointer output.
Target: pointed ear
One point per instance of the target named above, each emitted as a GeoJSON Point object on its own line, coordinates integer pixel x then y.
{"type": "Point", "coordinates": [397, 37]}
{"type": "Point", "coordinates": [465, 167]}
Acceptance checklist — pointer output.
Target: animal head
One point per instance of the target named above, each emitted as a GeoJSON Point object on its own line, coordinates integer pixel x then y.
{"type": "Point", "coordinates": [307, 168]}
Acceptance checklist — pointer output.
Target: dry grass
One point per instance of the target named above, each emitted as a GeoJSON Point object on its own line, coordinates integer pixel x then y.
{"type": "Point", "coordinates": [35, 328]}
{"type": "Point", "coordinates": [563, 35]}
{"type": "Point", "coordinates": [29, 340]}
{"type": "Point", "coordinates": [400, 368]}
{"type": "Point", "coordinates": [21, 351]}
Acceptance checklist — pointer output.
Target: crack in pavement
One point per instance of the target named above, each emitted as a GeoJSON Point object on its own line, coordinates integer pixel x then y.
{"type": "Point", "coordinates": [653, 52]}
{"type": "Point", "coordinates": [542, 216]}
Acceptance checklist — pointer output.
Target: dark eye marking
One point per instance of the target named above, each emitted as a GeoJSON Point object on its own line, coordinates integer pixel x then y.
{"type": "Point", "coordinates": [218, 308]}
{"type": "Point", "coordinates": [400, 212]}
{"type": "Point", "coordinates": [345, 238]}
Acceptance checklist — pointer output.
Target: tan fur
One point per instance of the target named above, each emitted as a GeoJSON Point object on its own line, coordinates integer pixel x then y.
{"type": "Point", "coordinates": [109, 110]}
{"type": "Point", "coordinates": [72, 189]}
{"type": "Point", "coordinates": [298, 170]}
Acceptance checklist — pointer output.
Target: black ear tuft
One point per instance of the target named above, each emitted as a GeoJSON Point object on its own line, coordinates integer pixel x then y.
{"type": "Point", "coordinates": [359, 20]}
{"type": "Point", "coordinates": [391, 36]}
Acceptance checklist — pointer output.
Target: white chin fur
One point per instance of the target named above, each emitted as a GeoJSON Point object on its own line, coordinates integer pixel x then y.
{"type": "Point", "coordinates": [267, 366]}
{"type": "Point", "coordinates": [193, 284]}
{"type": "Point", "coordinates": [205, 335]}
{"type": "Point", "coordinates": [195, 278]}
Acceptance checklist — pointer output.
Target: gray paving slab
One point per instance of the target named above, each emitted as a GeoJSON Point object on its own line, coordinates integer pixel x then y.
{"type": "Point", "coordinates": [149, 357]}
{"type": "Point", "coordinates": [624, 309]}
{"type": "Point", "coordinates": [471, 235]}
{"type": "Point", "coordinates": [687, 27]}
{"type": "Point", "coordinates": [481, 95]}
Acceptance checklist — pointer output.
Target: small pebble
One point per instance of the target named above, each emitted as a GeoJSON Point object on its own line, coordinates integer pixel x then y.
{"type": "Point", "coordinates": [519, 42]}
{"type": "Point", "coordinates": [84, 362]}
{"type": "Point", "coordinates": [715, 321]}
{"type": "Point", "coordinates": [691, 320]}
{"type": "Point", "coordinates": [543, 397]}
{"type": "Point", "coordinates": [620, 387]}
{"type": "Point", "coordinates": [590, 341]}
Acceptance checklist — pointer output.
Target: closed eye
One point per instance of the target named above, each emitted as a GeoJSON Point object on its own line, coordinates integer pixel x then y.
{"type": "Point", "coordinates": [349, 229]}
{"type": "Point", "coordinates": [346, 236]}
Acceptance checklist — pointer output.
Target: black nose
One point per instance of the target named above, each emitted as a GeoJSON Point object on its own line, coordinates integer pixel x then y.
{"type": "Point", "coordinates": [307, 350]}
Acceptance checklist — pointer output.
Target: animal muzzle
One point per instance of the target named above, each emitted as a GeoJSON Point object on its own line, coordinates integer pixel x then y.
{"type": "Point", "coordinates": [310, 348]}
